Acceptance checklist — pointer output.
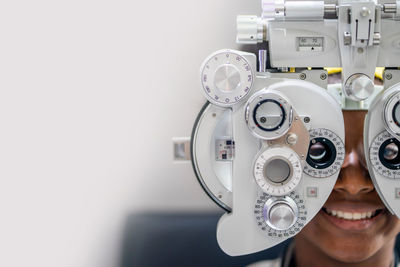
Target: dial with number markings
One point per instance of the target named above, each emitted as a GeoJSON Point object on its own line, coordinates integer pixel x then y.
{"type": "Point", "coordinates": [384, 155]}
{"type": "Point", "coordinates": [277, 170]}
{"type": "Point", "coordinates": [325, 155]}
{"type": "Point", "coordinates": [226, 78]}
{"type": "Point", "coordinates": [292, 202]}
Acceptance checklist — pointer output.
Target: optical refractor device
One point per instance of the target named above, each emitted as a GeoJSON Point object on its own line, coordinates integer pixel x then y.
{"type": "Point", "coordinates": [269, 143]}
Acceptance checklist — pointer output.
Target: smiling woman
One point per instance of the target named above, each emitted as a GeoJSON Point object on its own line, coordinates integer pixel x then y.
{"type": "Point", "coordinates": [353, 228]}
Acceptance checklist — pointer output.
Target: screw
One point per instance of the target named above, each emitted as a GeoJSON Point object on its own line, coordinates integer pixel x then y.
{"type": "Point", "coordinates": [360, 50]}
{"type": "Point", "coordinates": [214, 115]}
{"type": "Point", "coordinates": [323, 76]}
{"type": "Point", "coordinates": [364, 12]}
{"type": "Point", "coordinates": [302, 76]}
{"type": "Point", "coordinates": [388, 76]}
{"type": "Point", "coordinates": [307, 119]}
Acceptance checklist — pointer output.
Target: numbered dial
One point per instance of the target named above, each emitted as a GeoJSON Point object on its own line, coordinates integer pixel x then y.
{"type": "Point", "coordinates": [391, 114]}
{"type": "Point", "coordinates": [384, 155]}
{"type": "Point", "coordinates": [280, 216]}
{"type": "Point", "coordinates": [268, 114]}
{"type": "Point", "coordinates": [277, 170]}
{"type": "Point", "coordinates": [226, 78]}
{"type": "Point", "coordinates": [325, 154]}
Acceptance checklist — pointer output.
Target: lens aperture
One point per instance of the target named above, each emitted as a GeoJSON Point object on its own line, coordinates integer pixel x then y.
{"type": "Point", "coordinates": [277, 170]}
{"type": "Point", "coordinates": [321, 153]}
{"type": "Point", "coordinates": [391, 152]}
{"type": "Point", "coordinates": [317, 151]}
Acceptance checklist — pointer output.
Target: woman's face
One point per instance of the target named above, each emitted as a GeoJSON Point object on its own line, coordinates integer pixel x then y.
{"type": "Point", "coordinates": [352, 238]}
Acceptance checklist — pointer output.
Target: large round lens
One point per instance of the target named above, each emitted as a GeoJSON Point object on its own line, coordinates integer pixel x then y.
{"type": "Point", "coordinates": [269, 115]}
{"type": "Point", "coordinates": [321, 153]}
{"type": "Point", "coordinates": [317, 151]}
{"type": "Point", "coordinates": [389, 154]}
{"type": "Point", "coordinates": [277, 170]}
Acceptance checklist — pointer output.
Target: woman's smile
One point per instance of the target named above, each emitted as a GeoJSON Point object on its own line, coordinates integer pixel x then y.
{"type": "Point", "coordinates": [353, 216]}
{"type": "Point", "coordinates": [354, 225]}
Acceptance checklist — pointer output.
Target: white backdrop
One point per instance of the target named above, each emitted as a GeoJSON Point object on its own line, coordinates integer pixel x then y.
{"type": "Point", "coordinates": [91, 94]}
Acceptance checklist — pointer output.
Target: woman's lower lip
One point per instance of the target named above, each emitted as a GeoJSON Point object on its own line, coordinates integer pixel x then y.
{"type": "Point", "coordinates": [357, 225]}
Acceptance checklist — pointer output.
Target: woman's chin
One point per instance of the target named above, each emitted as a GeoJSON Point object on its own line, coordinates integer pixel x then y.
{"type": "Point", "coordinates": [351, 253]}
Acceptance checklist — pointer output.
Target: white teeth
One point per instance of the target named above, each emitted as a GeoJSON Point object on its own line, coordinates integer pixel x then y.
{"type": "Point", "coordinates": [351, 215]}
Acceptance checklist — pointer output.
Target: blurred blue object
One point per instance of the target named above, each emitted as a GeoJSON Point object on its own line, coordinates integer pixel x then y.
{"type": "Point", "coordinates": [185, 239]}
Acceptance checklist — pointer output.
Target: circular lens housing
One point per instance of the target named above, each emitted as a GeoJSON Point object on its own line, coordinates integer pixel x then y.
{"type": "Point", "coordinates": [391, 114]}
{"type": "Point", "coordinates": [384, 155]}
{"type": "Point", "coordinates": [321, 153]}
{"type": "Point", "coordinates": [277, 170]}
{"type": "Point", "coordinates": [325, 153]}
{"type": "Point", "coordinates": [269, 115]}
{"type": "Point", "coordinates": [389, 154]}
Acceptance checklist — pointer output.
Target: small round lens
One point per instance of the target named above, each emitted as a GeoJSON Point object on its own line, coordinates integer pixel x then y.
{"type": "Point", "coordinates": [277, 170]}
{"type": "Point", "coordinates": [317, 151]}
{"type": "Point", "coordinates": [391, 151]}
{"type": "Point", "coordinates": [321, 153]}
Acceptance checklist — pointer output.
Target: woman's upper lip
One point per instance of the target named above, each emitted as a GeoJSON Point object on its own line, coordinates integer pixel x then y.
{"type": "Point", "coordinates": [353, 206]}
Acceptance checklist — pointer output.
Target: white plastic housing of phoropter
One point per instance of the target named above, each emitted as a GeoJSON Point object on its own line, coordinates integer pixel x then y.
{"type": "Point", "coordinates": [249, 162]}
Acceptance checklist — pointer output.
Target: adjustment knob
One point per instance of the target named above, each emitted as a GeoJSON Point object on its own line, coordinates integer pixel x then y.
{"type": "Point", "coordinates": [280, 213]}
{"type": "Point", "coordinates": [281, 216]}
{"type": "Point", "coordinates": [227, 78]}
{"type": "Point", "coordinates": [273, 9]}
{"type": "Point", "coordinates": [359, 87]}
{"type": "Point", "coordinates": [250, 30]}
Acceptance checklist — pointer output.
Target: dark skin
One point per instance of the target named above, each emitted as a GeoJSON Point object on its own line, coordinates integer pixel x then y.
{"type": "Point", "coordinates": [322, 243]}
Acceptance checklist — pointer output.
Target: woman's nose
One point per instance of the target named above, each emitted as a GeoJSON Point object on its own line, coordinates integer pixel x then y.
{"type": "Point", "coordinates": [353, 178]}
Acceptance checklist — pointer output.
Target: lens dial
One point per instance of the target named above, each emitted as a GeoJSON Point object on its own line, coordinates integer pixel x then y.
{"type": "Point", "coordinates": [325, 154]}
{"type": "Point", "coordinates": [391, 114]}
{"type": "Point", "coordinates": [280, 216]}
{"type": "Point", "coordinates": [268, 114]}
{"type": "Point", "coordinates": [226, 78]}
{"type": "Point", "coordinates": [384, 155]}
{"type": "Point", "coordinates": [277, 170]}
